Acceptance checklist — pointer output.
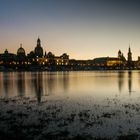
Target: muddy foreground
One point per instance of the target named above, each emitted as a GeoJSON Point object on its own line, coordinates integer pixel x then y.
{"type": "Point", "coordinates": [69, 119]}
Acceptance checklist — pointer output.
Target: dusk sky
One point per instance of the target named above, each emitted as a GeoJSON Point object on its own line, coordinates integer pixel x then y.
{"type": "Point", "coordinates": [84, 29]}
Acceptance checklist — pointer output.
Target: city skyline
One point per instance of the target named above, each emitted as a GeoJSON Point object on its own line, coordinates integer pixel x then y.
{"type": "Point", "coordinates": [83, 29]}
{"type": "Point", "coordinates": [44, 52]}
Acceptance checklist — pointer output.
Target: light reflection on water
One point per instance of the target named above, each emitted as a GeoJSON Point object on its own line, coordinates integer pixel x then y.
{"type": "Point", "coordinates": [90, 83]}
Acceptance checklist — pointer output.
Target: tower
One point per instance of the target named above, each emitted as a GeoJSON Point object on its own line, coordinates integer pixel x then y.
{"type": "Point", "coordinates": [129, 55]}
{"type": "Point", "coordinates": [129, 59]}
{"type": "Point", "coordinates": [38, 42]}
{"type": "Point", "coordinates": [38, 49]}
{"type": "Point", "coordinates": [119, 54]}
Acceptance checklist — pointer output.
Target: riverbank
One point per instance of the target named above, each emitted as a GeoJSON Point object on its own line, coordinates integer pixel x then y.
{"type": "Point", "coordinates": [55, 68]}
{"type": "Point", "coordinates": [68, 118]}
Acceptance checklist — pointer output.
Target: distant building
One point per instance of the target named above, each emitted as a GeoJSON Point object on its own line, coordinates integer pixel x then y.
{"type": "Point", "coordinates": [119, 61]}
{"type": "Point", "coordinates": [121, 56]}
{"type": "Point", "coordinates": [129, 59]}
{"type": "Point", "coordinates": [99, 63]}
{"type": "Point", "coordinates": [7, 58]}
{"type": "Point", "coordinates": [36, 59]}
{"type": "Point", "coordinates": [107, 61]}
{"type": "Point", "coordinates": [62, 60]}
{"type": "Point", "coordinates": [50, 58]}
{"type": "Point", "coordinates": [21, 56]}
{"type": "Point", "coordinates": [57, 60]}
{"type": "Point", "coordinates": [137, 64]}
{"type": "Point", "coordinates": [129, 55]}
{"type": "Point", "coordinates": [21, 51]}
{"type": "Point", "coordinates": [38, 49]}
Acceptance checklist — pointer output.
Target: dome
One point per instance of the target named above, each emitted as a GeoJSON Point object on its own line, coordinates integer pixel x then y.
{"type": "Point", "coordinates": [38, 49]}
{"type": "Point", "coordinates": [6, 51]}
{"type": "Point", "coordinates": [20, 51]}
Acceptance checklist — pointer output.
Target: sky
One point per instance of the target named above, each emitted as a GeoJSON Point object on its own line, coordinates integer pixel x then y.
{"type": "Point", "coordinates": [84, 29]}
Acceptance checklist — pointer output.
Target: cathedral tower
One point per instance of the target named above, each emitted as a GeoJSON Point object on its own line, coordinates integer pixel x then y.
{"type": "Point", "coordinates": [129, 59]}
{"type": "Point", "coordinates": [119, 54]}
{"type": "Point", "coordinates": [38, 49]}
{"type": "Point", "coordinates": [129, 55]}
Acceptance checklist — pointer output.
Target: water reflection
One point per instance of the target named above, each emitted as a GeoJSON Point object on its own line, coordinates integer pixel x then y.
{"type": "Point", "coordinates": [130, 82]}
{"type": "Point", "coordinates": [1, 82]}
{"type": "Point", "coordinates": [21, 83]}
{"type": "Point", "coordinates": [120, 80]}
{"type": "Point", "coordinates": [38, 84]}
{"type": "Point", "coordinates": [50, 84]}
{"type": "Point", "coordinates": [6, 83]}
{"type": "Point", "coordinates": [56, 83]}
{"type": "Point", "coordinates": [66, 81]}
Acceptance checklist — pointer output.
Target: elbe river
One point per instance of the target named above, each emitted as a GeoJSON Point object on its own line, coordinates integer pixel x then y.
{"type": "Point", "coordinates": [98, 84]}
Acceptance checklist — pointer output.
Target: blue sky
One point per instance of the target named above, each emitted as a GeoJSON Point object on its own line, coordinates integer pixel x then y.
{"type": "Point", "coordinates": [84, 29]}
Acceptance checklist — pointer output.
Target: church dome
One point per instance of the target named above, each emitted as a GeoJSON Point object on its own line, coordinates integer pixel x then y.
{"type": "Point", "coordinates": [38, 49]}
{"type": "Point", "coordinates": [21, 51]}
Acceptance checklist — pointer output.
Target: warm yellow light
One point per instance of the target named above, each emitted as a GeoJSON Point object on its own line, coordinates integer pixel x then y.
{"type": "Point", "coordinates": [114, 62]}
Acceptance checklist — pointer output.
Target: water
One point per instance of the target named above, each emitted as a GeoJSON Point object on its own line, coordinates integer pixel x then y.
{"type": "Point", "coordinates": [100, 104]}
{"type": "Point", "coordinates": [98, 84]}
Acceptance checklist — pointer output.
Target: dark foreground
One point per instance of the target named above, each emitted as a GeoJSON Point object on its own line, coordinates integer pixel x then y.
{"type": "Point", "coordinates": [69, 119]}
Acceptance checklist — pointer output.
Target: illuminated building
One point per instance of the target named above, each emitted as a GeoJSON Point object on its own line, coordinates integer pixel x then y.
{"type": "Point", "coordinates": [21, 56]}
{"type": "Point", "coordinates": [21, 51]}
{"type": "Point", "coordinates": [35, 60]}
{"type": "Point", "coordinates": [50, 58]}
{"type": "Point", "coordinates": [7, 58]}
{"type": "Point", "coordinates": [62, 60]}
{"type": "Point", "coordinates": [107, 61]}
{"type": "Point", "coordinates": [121, 56]}
{"type": "Point", "coordinates": [114, 62]}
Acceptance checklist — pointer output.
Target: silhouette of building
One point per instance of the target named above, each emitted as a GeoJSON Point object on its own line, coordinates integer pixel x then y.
{"type": "Point", "coordinates": [21, 51]}
{"type": "Point", "coordinates": [129, 58]}
{"type": "Point", "coordinates": [7, 58]}
{"type": "Point", "coordinates": [119, 54]}
{"type": "Point", "coordinates": [138, 63]}
{"type": "Point", "coordinates": [129, 55]}
{"type": "Point", "coordinates": [62, 60]}
{"type": "Point", "coordinates": [50, 58]}
{"type": "Point", "coordinates": [109, 62]}
{"type": "Point", "coordinates": [36, 59]}
{"type": "Point", "coordinates": [21, 56]}
{"type": "Point", "coordinates": [38, 49]}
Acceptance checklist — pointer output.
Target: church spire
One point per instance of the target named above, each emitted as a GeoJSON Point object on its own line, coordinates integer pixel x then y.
{"type": "Point", "coordinates": [129, 50]}
{"type": "Point", "coordinates": [38, 42]}
{"type": "Point", "coordinates": [119, 54]}
{"type": "Point", "coordinates": [20, 45]}
{"type": "Point", "coordinates": [129, 57]}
